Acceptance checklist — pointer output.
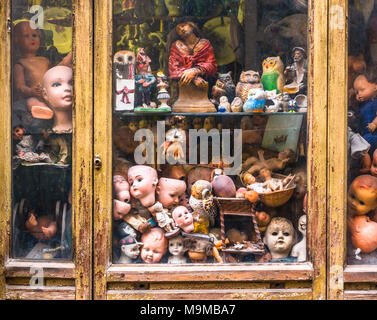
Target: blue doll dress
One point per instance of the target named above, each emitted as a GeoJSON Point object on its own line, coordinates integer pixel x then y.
{"type": "Point", "coordinates": [368, 113]}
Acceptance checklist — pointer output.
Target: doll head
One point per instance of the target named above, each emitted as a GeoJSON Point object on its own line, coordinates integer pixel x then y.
{"type": "Point", "coordinates": [365, 85]}
{"type": "Point", "coordinates": [124, 230]}
{"type": "Point", "coordinates": [27, 40]}
{"type": "Point", "coordinates": [130, 247]}
{"type": "Point", "coordinates": [169, 191]}
{"type": "Point", "coordinates": [280, 237]}
{"type": "Point", "coordinates": [175, 172]}
{"type": "Point", "coordinates": [120, 209]}
{"type": "Point", "coordinates": [154, 246]}
{"type": "Point", "coordinates": [121, 188]}
{"type": "Point", "coordinates": [143, 181]}
{"type": "Point", "coordinates": [373, 168]}
{"type": "Point", "coordinates": [183, 219]}
{"type": "Point", "coordinates": [176, 247]}
{"type": "Point", "coordinates": [362, 195]}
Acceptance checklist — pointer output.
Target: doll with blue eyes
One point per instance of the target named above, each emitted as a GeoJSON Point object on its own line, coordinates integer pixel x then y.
{"type": "Point", "coordinates": [362, 195]}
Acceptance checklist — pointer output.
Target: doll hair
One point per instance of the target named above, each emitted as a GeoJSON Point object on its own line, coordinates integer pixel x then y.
{"type": "Point", "coordinates": [156, 234]}
{"type": "Point", "coordinates": [366, 181]}
{"type": "Point", "coordinates": [370, 74]}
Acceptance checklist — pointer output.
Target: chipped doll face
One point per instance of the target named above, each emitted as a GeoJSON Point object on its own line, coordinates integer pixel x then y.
{"type": "Point", "coordinates": [361, 200]}
{"type": "Point", "coordinates": [169, 191]}
{"type": "Point", "coordinates": [279, 238]}
{"type": "Point", "coordinates": [176, 247]}
{"type": "Point", "coordinates": [132, 250]}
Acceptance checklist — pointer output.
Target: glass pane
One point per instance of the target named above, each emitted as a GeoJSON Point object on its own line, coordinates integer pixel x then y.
{"type": "Point", "coordinates": [42, 129]}
{"type": "Point", "coordinates": [362, 133]}
{"type": "Point", "coordinates": [209, 131]}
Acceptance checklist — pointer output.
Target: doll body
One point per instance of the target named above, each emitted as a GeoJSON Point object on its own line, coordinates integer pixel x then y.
{"type": "Point", "coordinates": [299, 249]}
{"type": "Point", "coordinates": [42, 228]}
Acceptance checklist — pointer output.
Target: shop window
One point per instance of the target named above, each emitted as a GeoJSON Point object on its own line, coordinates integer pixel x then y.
{"type": "Point", "coordinates": [209, 131]}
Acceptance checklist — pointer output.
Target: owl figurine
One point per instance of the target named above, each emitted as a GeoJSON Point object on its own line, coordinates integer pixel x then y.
{"type": "Point", "coordinates": [248, 80]}
{"type": "Point", "coordinates": [202, 202]}
{"type": "Point", "coordinates": [273, 74]}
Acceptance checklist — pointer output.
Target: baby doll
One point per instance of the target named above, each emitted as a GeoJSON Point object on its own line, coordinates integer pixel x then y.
{"type": "Point", "coordinates": [42, 228]}
{"type": "Point", "coordinates": [154, 246]}
{"type": "Point", "coordinates": [183, 219]}
{"type": "Point", "coordinates": [143, 182]}
{"type": "Point", "coordinates": [30, 69]}
{"type": "Point", "coordinates": [362, 195]}
{"type": "Point", "coordinates": [130, 249]}
{"type": "Point", "coordinates": [280, 237]}
{"type": "Point", "coordinates": [365, 86]}
{"type": "Point", "coordinates": [177, 251]}
{"type": "Point", "coordinates": [169, 191]}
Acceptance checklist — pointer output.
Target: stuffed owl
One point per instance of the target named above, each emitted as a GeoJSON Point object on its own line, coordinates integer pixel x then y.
{"type": "Point", "coordinates": [273, 76]}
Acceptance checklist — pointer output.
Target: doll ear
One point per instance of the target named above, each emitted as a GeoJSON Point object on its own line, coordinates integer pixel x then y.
{"type": "Point", "coordinates": [158, 189]}
{"type": "Point", "coordinates": [265, 240]}
{"type": "Point", "coordinates": [44, 94]}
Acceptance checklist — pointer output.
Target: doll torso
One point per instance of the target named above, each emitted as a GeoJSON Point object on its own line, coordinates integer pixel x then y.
{"type": "Point", "coordinates": [368, 113]}
{"type": "Point", "coordinates": [34, 69]}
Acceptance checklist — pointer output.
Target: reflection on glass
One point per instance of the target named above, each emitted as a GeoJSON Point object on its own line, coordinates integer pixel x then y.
{"type": "Point", "coordinates": [42, 130]}
{"type": "Point", "coordinates": [362, 134]}
{"type": "Point", "coordinates": [209, 131]}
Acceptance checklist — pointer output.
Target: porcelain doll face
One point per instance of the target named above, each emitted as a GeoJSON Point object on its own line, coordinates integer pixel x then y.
{"type": "Point", "coordinates": [362, 195]}
{"type": "Point", "coordinates": [279, 237]}
{"type": "Point", "coordinates": [302, 224]}
{"type": "Point", "coordinates": [121, 188]}
{"type": "Point", "coordinates": [176, 247]}
{"type": "Point", "coordinates": [126, 230]}
{"type": "Point", "coordinates": [373, 168]}
{"type": "Point", "coordinates": [27, 39]}
{"type": "Point", "coordinates": [169, 191]}
{"type": "Point", "coordinates": [57, 87]}
{"type": "Point", "coordinates": [132, 250]}
{"type": "Point", "coordinates": [364, 90]}
{"type": "Point", "coordinates": [154, 245]}
{"type": "Point", "coordinates": [183, 219]}
{"type": "Point", "coordinates": [143, 181]}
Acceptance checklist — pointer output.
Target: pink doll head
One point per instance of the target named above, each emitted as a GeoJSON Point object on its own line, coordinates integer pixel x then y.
{"type": "Point", "coordinates": [183, 219]}
{"type": "Point", "coordinates": [143, 181]}
{"type": "Point", "coordinates": [155, 245]}
{"type": "Point", "coordinates": [169, 191]}
{"type": "Point", "coordinates": [27, 40]}
{"type": "Point", "coordinates": [121, 188]}
{"type": "Point", "coordinates": [120, 209]}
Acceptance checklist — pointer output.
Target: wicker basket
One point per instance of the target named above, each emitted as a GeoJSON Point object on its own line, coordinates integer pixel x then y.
{"type": "Point", "coordinates": [277, 198]}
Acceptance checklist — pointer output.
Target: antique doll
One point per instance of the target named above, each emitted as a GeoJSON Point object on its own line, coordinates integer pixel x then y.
{"type": "Point", "coordinates": [365, 86]}
{"type": "Point", "coordinates": [30, 69]}
{"type": "Point", "coordinates": [279, 237]}
{"type": "Point", "coordinates": [362, 195]}
{"type": "Point", "coordinates": [143, 182]}
{"type": "Point", "coordinates": [299, 249]}
{"type": "Point", "coordinates": [169, 191]}
{"type": "Point", "coordinates": [183, 219]}
{"type": "Point", "coordinates": [177, 250]}
{"type": "Point", "coordinates": [120, 209]}
{"type": "Point", "coordinates": [297, 72]}
{"type": "Point", "coordinates": [154, 246]}
{"type": "Point", "coordinates": [121, 188]}
{"type": "Point", "coordinates": [41, 228]}
{"type": "Point", "coordinates": [144, 80]}
{"type": "Point", "coordinates": [164, 220]}
{"type": "Point", "coordinates": [130, 249]}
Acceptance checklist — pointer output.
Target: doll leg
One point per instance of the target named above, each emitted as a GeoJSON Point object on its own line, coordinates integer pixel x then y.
{"type": "Point", "coordinates": [39, 109]}
{"type": "Point", "coordinates": [366, 163]}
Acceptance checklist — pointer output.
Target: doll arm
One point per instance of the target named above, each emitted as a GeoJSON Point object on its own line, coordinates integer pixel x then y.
{"type": "Point", "coordinates": [67, 60]}
{"type": "Point", "coordinates": [63, 151]}
{"type": "Point", "coordinates": [373, 125]}
{"type": "Point", "coordinates": [19, 81]}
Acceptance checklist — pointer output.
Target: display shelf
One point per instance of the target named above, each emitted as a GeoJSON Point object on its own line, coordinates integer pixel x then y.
{"type": "Point", "coordinates": [132, 20]}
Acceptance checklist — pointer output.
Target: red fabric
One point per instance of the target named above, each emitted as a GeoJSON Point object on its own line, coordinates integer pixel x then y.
{"type": "Point", "coordinates": [204, 58]}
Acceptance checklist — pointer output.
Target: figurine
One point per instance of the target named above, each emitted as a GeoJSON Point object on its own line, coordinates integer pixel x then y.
{"type": "Point", "coordinates": [296, 74]}
{"type": "Point", "coordinates": [154, 246]}
{"type": "Point", "coordinates": [177, 251]}
{"type": "Point", "coordinates": [191, 61]}
{"type": "Point", "coordinates": [283, 101]}
{"type": "Point", "coordinates": [124, 66]}
{"type": "Point", "coordinates": [120, 209]}
{"type": "Point", "coordinates": [256, 101]}
{"type": "Point", "coordinates": [292, 106]}
{"type": "Point", "coordinates": [42, 228]}
{"type": "Point", "coordinates": [144, 80]}
{"type": "Point", "coordinates": [30, 69]}
{"type": "Point", "coordinates": [299, 249]}
{"type": "Point", "coordinates": [248, 80]}
{"type": "Point", "coordinates": [273, 97]}
{"type": "Point", "coordinates": [362, 195]}
{"type": "Point", "coordinates": [279, 237]}
{"type": "Point", "coordinates": [224, 87]}
{"type": "Point", "coordinates": [365, 86]}
{"type": "Point", "coordinates": [174, 145]}
{"type": "Point", "coordinates": [169, 191]}
{"type": "Point", "coordinates": [164, 220]}
{"type": "Point", "coordinates": [143, 182]}
{"type": "Point", "coordinates": [224, 105]}
{"type": "Point", "coordinates": [130, 249]}
{"type": "Point", "coordinates": [183, 219]}
{"type": "Point", "coordinates": [201, 200]}
{"type": "Point", "coordinates": [237, 105]}
{"type": "Point", "coordinates": [163, 95]}
{"type": "Point", "coordinates": [273, 76]}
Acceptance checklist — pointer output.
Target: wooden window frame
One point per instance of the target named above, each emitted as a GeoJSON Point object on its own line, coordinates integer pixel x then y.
{"type": "Point", "coordinates": [80, 268]}
{"type": "Point", "coordinates": [314, 270]}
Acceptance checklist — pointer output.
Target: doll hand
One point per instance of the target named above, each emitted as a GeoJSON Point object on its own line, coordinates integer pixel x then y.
{"type": "Point", "coordinates": [37, 91]}
{"type": "Point", "coordinates": [371, 127]}
{"type": "Point", "coordinates": [32, 221]}
{"type": "Point", "coordinates": [48, 232]}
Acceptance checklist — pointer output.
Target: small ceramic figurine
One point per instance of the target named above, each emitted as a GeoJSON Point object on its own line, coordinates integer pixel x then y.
{"type": "Point", "coordinates": [296, 73]}
{"type": "Point", "coordinates": [273, 97]}
{"type": "Point", "coordinates": [224, 105]}
{"type": "Point", "coordinates": [144, 81]}
{"type": "Point", "coordinates": [365, 86]}
{"type": "Point", "coordinates": [273, 74]}
{"type": "Point", "coordinates": [279, 238]}
{"type": "Point", "coordinates": [163, 94]}
{"type": "Point", "coordinates": [237, 105]}
{"type": "Point", "coordinates": [191, 62]}
{"type": "Point", "coordinates": [130, 250]}
{"type": "Point", "coordinates": [256, 101]}
{"type": "Point", "coordinates": [169, 191]}
{"type": "Point", "coordinates": [124, 75]}
{"type": "Point", "coordinates": [41, 228]}
{"type": "Point", "coordinates": [30, 69]}
{"type": "Point", "coordinates": [201, 200]}
{"type": "Point", "coordinates": [362, 195]}
{"type": "Point", "coordinates": [283, 101]}
{"type": "Point", "coordinates": [248, 80]}
{"type": "Point", "coordinates": [177, 251]}
{"type": "Point", "coordinates": [224, 87]}
{"type": "Point", "coordinates": [154, 246]}
{"type": "Point", "coordinates": [143, 182]}
{"type": "Point", "coordinates": [299, 249]}
{"type": "Point", "coordinates": [183, 219]}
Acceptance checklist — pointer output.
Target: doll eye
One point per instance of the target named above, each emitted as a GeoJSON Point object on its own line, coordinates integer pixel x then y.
{"type": "Point", "coordinates": [352, 196]}
{"type": "Point", "coordinates": [56, 84]}
{"type": "Point", "coordinates": [274, 233]}
{"type": "Point", "coordinates": [362, 203]}
{"type": "Point", "coordinates": [286, 234]}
